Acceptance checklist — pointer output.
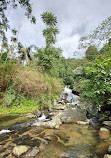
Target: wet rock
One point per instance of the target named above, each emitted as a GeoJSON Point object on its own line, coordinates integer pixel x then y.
{"type": "Point", "coordinates": [34, 152]}
{"type": "Point", "coordinates": [102, 148]}
{"type": "Point", "coordinates": [60, 107]}
{"type": "Point", "coordinates": [2, 150]}
{"type": "Point", "coordinates": [54, 123]}
{"type": "Point", "coordinates": [82, 105]}
{"type": "Point", "coordinates": [108, 123]}
{"type": "Point", "coordinates": [107, 113]}
{"type": "Point", "coordinates": [103, 117]}
{"type": "Point", "coordinates": [72, 154]}
{"type": "Point", "coordinates": [66, 116]}
{"type": "Point", "coordinates": [50, 109]}
{"type": "Point", "coordinates": [61, 102]}
{"type": "Point", "coordinates": [37, 113]}
{"type": "Point", "coordinates": [109, 149]}
{"type": "Point", "coordinates": [72, 115]}
{"type": "Point", "coordinates": [107, 156]}
{"type": "Point", "coordinates": [19, 150]}
{"type": "Point", "coordinates": [87, 122]}
{"type": "Point", "coordinates": [6, 155]}
{"type": "Point", "coordinates": [94, 122]}
{"type": "Point", "coordinates": [31, 116]}
{"type": "Point", "coordinates": [27, 140]}
{"type": "Point", "coordinates": [62, 136]}
{"type": "Point", "coordinates": [65, 155]}
{"type": "Point", "coordinates": [104, 133]}
{"type": "Point", "coordinates": [42, 147]}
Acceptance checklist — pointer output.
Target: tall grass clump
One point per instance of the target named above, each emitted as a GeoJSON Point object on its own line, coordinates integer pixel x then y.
{"type": "Point", "coordinates": [26, 88]}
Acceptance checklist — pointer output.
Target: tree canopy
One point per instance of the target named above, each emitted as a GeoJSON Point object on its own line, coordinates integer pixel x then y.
{"type": "Point", "coordinates": [100, 35]}
{"type": "Point", "coordinates": [4, 22]}
{"type": "Point", "coordinates": [91, 52]}
{"type": "Point", "coordinates": [49, 56]}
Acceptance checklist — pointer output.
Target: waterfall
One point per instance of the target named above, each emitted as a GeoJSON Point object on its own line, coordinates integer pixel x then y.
{"type": "Point", "coordinates": [69, 96]}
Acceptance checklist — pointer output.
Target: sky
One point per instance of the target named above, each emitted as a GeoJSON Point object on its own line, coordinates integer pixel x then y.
{"type": "Point", "coordinates": [75, 19]}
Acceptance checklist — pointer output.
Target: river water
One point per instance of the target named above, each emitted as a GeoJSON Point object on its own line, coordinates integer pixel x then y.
{"type": "Point", "coordinates": [70, 141]}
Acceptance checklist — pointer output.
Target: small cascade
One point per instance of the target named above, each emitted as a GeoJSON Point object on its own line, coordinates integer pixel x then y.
{"type": "Point", "coordinates": [43, 118]}
{"type": "Point", "coordinates": [4, 131]}
{"type": "Point", "coordinates": [69, 96]}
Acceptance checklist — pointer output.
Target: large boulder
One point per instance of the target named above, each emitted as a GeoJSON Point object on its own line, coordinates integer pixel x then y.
{"type": "Point", "coordinates": [19, 150]}
{"type": "Point", "coordinates": [107, 156]}
{"type": "Point", "coordinates": [101, 148]}
{"type": "Point", "coordinates": [66, 116]}
{"type": "Point", "coordinates": [104, 133]}
{"type": "Point", "coordinates": [54, 123]}
{"type": "Point", "coordinates": [72, 115]}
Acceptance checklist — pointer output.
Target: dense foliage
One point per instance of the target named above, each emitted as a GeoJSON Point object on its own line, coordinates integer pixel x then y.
{"type": "Point", "coordinates": [97, 86]}
{"type": "Point", "coordinates": [23, 84]}
{"type": "Point", "coordinates": [32, 77]}
{"type": "Point", "coordinates": [91, 53]}
{"type": "Point", "coordinates": [50, 58]}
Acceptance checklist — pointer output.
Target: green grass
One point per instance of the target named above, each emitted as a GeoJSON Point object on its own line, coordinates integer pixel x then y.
{"type": "Point", "coordinates": [20, 109]}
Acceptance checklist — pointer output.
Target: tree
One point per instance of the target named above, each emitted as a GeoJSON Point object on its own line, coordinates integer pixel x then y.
{"type": "Point", "coordinates": [91, 52]}
{"type": "Point", "coordinates": [4, 22]}
{"type": "Point", "coordinates": [100, 35]}
{"type": "Point", "coordinates": [49, 56]}
{"type": "Point", "coordinates": [51, 31]}
{"type": "Point", "coordinates": [26, 54]}
{"type": "Point", "coordinates": [106, 49]}
{"type": "Point", "coordinates": [97, 85]}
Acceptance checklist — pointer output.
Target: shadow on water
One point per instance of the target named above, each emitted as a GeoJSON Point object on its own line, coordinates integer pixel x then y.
{"type": "Point", "coordinates": [7, 121]}
{"type": "Point", "coordinates": [4, 118]}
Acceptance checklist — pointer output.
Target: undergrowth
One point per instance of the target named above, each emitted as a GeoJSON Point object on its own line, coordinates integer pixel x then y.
{"type": "Point", "coordinates": [26, 89]}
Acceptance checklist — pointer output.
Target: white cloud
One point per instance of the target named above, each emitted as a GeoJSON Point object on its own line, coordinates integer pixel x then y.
{"type": "Point", "coordinates": [75, 18]}
{"type": "Point", "coordinates": [69, 44]}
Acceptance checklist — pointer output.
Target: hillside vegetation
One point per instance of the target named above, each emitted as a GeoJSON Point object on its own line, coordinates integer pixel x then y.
{"type": "Point", "coordinates": [33, 77]}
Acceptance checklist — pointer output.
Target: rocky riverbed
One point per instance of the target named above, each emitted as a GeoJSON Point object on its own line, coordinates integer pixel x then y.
{"type": "Point", "coordinates": [62, 131]}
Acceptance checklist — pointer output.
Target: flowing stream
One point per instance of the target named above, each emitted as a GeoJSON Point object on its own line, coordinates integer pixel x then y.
{"type": "Point", "coordinates": [69, 96]}
{"type": "Point", "coordinates": [70, 141]}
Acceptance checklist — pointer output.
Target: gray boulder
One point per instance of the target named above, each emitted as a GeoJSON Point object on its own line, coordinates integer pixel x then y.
{"type": "Point", "coordinates": [34, 152]}
{"type": "Point", "coordinates": [37, 113]}
{"type": "Point", "coordinates": [54, 123]}
{"type": "Point", "coordinates": [66, 116]}
{"type": "Point", "coordinates": [72, 115]}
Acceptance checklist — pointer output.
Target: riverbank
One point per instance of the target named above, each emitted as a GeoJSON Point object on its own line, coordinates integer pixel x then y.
{"type": "Point", "coordinates": [60, 131]}
{"type": "Point", "coordinates": [21, 109]}
{"type": "Point", "coordinates": [19, 138]}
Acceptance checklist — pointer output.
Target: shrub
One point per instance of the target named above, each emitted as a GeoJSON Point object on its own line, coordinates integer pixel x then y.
{"type": "Point", "coordinates": [7, 71]}
{"type": "Point", "coordinates": [31, 82]}
{"type": "Point", "coordinates": [9, 97]}
{"type": "Point", "coordinates": [97, 86]}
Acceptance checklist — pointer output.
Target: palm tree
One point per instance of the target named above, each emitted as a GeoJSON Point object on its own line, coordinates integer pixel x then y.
{"type": "Point", "coordinates": [26, 53]}
{"type": "Point", "coordinates": [51, 31]}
